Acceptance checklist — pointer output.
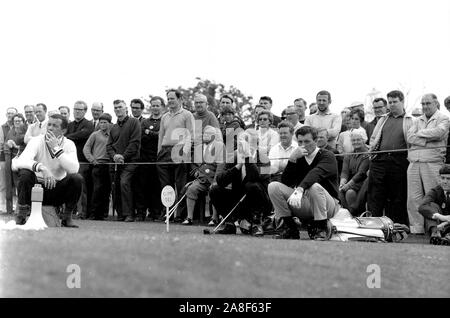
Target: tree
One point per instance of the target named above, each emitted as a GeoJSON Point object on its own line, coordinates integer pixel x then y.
{"type": "Point", "coordinates": [213, 91]}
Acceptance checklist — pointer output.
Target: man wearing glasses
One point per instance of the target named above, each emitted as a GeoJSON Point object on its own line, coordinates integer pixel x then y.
{"type": "Point", "coordinates": [40, 126]}
{"type": "Point", "coordinates": [301, 106]}
{"type": "Point", "coordinates": [379, 107]}
{"type": "Point", "coordinates": [30, 117]}
{"type": "Point", "coordinates": [428, 139]}
{"type": "Point", "coordinates": [79, 131]}
{"type": "Point", "coordinates": [137, 107]}
{"type": "Point", "coordinates": [293, 116]}
{"type": "Point", "coordinates": [96, 112]}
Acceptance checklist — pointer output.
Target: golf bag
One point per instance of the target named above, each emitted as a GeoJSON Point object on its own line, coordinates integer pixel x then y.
{"type": "Point", "coordinates": [344, 227]}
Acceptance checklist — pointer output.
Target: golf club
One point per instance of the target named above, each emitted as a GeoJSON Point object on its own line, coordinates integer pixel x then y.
{"type": "Point", "coordinates": [207, 231]}
{"type": "Point", "coordinates": [172, 210]}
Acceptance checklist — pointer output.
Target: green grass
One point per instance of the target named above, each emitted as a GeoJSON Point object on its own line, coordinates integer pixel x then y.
{"type": "Point", "coordinates": [141, 260]}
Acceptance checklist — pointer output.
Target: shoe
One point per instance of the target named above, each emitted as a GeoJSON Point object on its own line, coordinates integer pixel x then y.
{"type": "Point", "coordinates": [129, 218]}
{"type": "Point", "coordinates": [245, 227]}
{"type": "Point", "coordinates": [68, 223]}
{"type": "Point", "coordinates": [188, 221]}
{"type": "Point", "coordinates": [268, 225]}
{"type": "Point", "coordinates": [227, 228]}
{"type": "Point", "coordinates": [140, 218]}
{"type": "Point", "coordinates": [20, 220]}
{"type": "Point", "coordinates": [287, 229]}
{"type": "Point", "coordinates": [177, 220]}
{"type": "Point", "coordinates": [212, 222]}
{"type": "Point", "coordinates": [321, 235]}
{"type": "Point", "coordinates": [257, 230]}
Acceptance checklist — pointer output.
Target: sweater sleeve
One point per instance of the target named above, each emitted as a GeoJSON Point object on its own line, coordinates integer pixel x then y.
{"type": "Point", "coordinates": [27, 159]}
{"type": "Point", "coordinates": [68, 158]}
{"type": "Point", "coordinates": [325, 168]}
{"type": "Point", "coordinates": [290, 173]}
{"type": "Point", "coordinates": [224, 174]}
{"type": "Point", "coordinates": [84, 131]}
{"type": "Point", "coordinates": [87, 149]}
{"type": "Point", "coordinates": [363, 166]}
{"type": "Point", "coordinates": [134, 142]}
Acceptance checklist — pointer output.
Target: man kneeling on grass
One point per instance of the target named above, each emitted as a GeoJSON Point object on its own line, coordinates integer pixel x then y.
{"type": "Point", "coordinates": [435, 208]}
{"type": "Point", "coordinates": [308, 188]}
{"type": "Point", "coordinates": [51, 160]}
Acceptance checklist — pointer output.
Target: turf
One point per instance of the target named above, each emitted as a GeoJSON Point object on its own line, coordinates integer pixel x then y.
{"type": "Point", "coordinates": [141, 260]}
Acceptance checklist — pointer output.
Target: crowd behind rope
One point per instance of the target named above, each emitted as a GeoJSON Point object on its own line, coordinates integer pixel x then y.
{"type": "Point", "coordinates": [294, 167]}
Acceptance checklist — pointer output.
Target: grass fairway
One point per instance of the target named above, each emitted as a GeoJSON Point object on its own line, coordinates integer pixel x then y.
{"type": "Point", "coordinates": [140, 260]}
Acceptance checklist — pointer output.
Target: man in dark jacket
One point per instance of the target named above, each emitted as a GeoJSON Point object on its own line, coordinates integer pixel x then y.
{"type": "Point", "coordinates": [123, 148]}
{"type": "Point", "coordinates": [435, 207]}
{"type": "Point", "coordinates": [308, 188]}
{"type": "Point", "coordinates": [247, 174]}
{"type": "Point", "coordinates": [79, 131]}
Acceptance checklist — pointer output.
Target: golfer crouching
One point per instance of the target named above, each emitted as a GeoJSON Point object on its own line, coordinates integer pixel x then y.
{"type": "Point", "coordinates": [51, 160]}
{"type": "Point", "coordinates": [308, 188]}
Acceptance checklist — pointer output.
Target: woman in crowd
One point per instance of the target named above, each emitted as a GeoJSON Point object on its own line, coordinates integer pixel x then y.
{"type": "Point", "coordinates": [354, 170]}
{"type": "Point", "coordinates": [344, 144]}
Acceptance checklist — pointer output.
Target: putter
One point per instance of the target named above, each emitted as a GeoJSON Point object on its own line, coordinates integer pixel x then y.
{"type": "Point", "coordinates": [207, 231]}
{"type": "Point", "coordinates": [172, 210]}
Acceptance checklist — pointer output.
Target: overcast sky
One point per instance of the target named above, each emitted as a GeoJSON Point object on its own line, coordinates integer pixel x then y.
{"type": "Point", "coordinates": [58, 52]}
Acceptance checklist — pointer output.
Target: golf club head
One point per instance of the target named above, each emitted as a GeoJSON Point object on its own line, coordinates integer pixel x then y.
{"type": "Point", "coordinates": [206, 231]}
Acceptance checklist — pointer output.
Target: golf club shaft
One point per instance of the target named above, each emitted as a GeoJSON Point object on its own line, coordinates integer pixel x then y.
{"type": "Point", "coordinates": [226, 217]}
{"type": "Point", "coordinates": [172, 210]}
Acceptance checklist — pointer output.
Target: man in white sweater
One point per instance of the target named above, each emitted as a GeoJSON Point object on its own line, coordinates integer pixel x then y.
{"type": "Point", "coordinates": [51, 160]}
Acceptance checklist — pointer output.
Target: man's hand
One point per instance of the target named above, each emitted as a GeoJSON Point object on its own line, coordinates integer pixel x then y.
{"type": "Point", "coordinates": [51, 140]}
{"type": "Point", "coordinates": [11, 144]}
{"type": "Point", "coordinates": [440, 217]}
{"type": "Point", "coordinates": [298, 153]}
{"type": "Point", "coordinates": [118, 159]}
{"type": "Point", "coordinates": [295, 200]}
{"type": "Point", "coordinates": [49, 179]}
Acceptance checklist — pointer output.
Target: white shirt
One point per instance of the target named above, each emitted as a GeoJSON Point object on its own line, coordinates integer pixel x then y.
{"type": "Point", "coordinates": [36, 129]}
{"type": "Point", "coordinates": [278, 151]}
{"type": "Point", "coordinates": [310, 158]}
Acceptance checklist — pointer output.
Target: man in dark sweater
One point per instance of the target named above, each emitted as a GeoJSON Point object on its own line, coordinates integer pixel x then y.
{"type": "Point", "coordinates": [79, 131]}
{"type": "Point", "coordinates": [148, 190]}
{"type": "Point", "coordinates": [308, 188]}
{"type": "Point", "coordinates": [435, 208]}
{"type": "Point", "coordinates": [123, 148]}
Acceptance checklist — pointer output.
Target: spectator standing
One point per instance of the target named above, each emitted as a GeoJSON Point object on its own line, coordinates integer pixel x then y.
{"type": "Point", "coordinates": [94, 151]}
{"type": "Point", "coordinates": [65, 111]}
{"type": "Point", "coordinates": [344, 144]}
{"type": "Point", "coordinates": [79, 131]}
{"type": "Point", "coordinates": [379, 107]}
{"type": "Point", "coordinates": [29, 114]}
{"type": "Point", "coordinates": [40, 126]}
{"type": "Point", "coordinates": [387, 189]}
{"type": "Point", "coordinates": [324, 118]}
{"type": "Point", "coordinates": [428, 139]}
{"type": "Point", "coordinates": [4, 189]}
{"type": "Point", "coordinates": [280, 153]}
{"type": "Point", "coordinates": [266, 101]}
{"type": "Point", "coordinates": [96, 111]}
{"type": "Point", "coordinates": [301, 106]}
{"type": "Point", "coordinates": [137, 107]}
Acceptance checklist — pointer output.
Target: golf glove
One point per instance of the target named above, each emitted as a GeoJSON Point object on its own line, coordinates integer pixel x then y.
{"type": "Point", "coordinates": [295, 200]}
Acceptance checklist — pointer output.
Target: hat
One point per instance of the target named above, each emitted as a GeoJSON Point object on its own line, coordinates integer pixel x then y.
{"type": "Point", "coordinates": [445, 169]}
{"type": "Point", "coordinates": [356, 104]}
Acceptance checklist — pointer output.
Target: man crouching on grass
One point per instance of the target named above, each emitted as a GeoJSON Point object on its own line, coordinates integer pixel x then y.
{"type": "Point", "coordinates": [51, 160]}
{"type": "Point", "coordinates": [308, 188]}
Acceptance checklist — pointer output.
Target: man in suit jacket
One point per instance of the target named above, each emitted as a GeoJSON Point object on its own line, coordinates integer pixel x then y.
{"type": "Point", "coordinates": [79, 131]}
{"type": "Point", "coordinates": [435, 207]}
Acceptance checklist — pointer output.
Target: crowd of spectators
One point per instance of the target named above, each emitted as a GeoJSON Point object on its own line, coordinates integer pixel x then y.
{"type": "Point", "coordinates": [275, 168]}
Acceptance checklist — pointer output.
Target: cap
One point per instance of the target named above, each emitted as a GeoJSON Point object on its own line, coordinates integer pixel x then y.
{"type": "Point", "coordinates": [356, 104]}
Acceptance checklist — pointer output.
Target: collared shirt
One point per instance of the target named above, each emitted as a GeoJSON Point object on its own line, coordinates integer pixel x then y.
{"type": "Point", "coordinates": [329, 121]}
{"type": "Point", "coordinates": [430, 136]}
{"type": "Point", "coordinates": [310, 158]}
{"type": "Point", "coordinates": [174, 126]}
{"type": "Point", "coordinates": [36, 129]}
{"type": "Point", "coordinates": [277, 165]}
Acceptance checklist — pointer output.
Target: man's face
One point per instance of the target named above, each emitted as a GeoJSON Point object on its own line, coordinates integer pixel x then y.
{"type": "Point", "coordinates": [379, 109]}
{"type": "Point", "coordinates": [104, 125]}
{"type": "Point", "coordinates": [10, 112]}
{"type": "Point", "coordinates": [40, 113]}
{"type": "Point", "coordinates": [136, 110]}
{"type": "Point", "coordinates": [322, 102]}
{"type": "Point", "coordinates": [200, 105]}
{"type": "Point", "coordinates": [65, 112]}
{"type": "Point", "coordinates": [292, 115]}
{"type": "Point", "coordinates": [96, 111]}
{"type": "Point", "coordinates": [29, 113]}
{"type": "Point", "coordinates": [267, 105]}
{"type": "Point", "coordinates": [120, 110]}
{"type": "Point", "coordinates": [54, 125]}
{"type": "Point", "coordinates": [307, 142]}
{"type": "Point", "coordinates": [285, 136]}
{"type": "Point", "coordinates": [226, 102]}
{"type": "Point", "coordinates": [173, 102]}
{"type": "Point", "coordinates": [322, 139]}
{"type": "Point", "coordinates": [155, 107]}
{"type": "Point", "coordinates": [79, 111]}
{"type": "Point", "coordinates": [357, 141]}
{"type": "Point", "coordinates": [395, 105]}
{"type": "Point", "coordinates": [208, 135]}
{"type": "Point", "coordinates": [444, 181]}
{"type": "Point", "coordinates": [429, 106]}
{"type": "Point", "coordinates": [301, 108]}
